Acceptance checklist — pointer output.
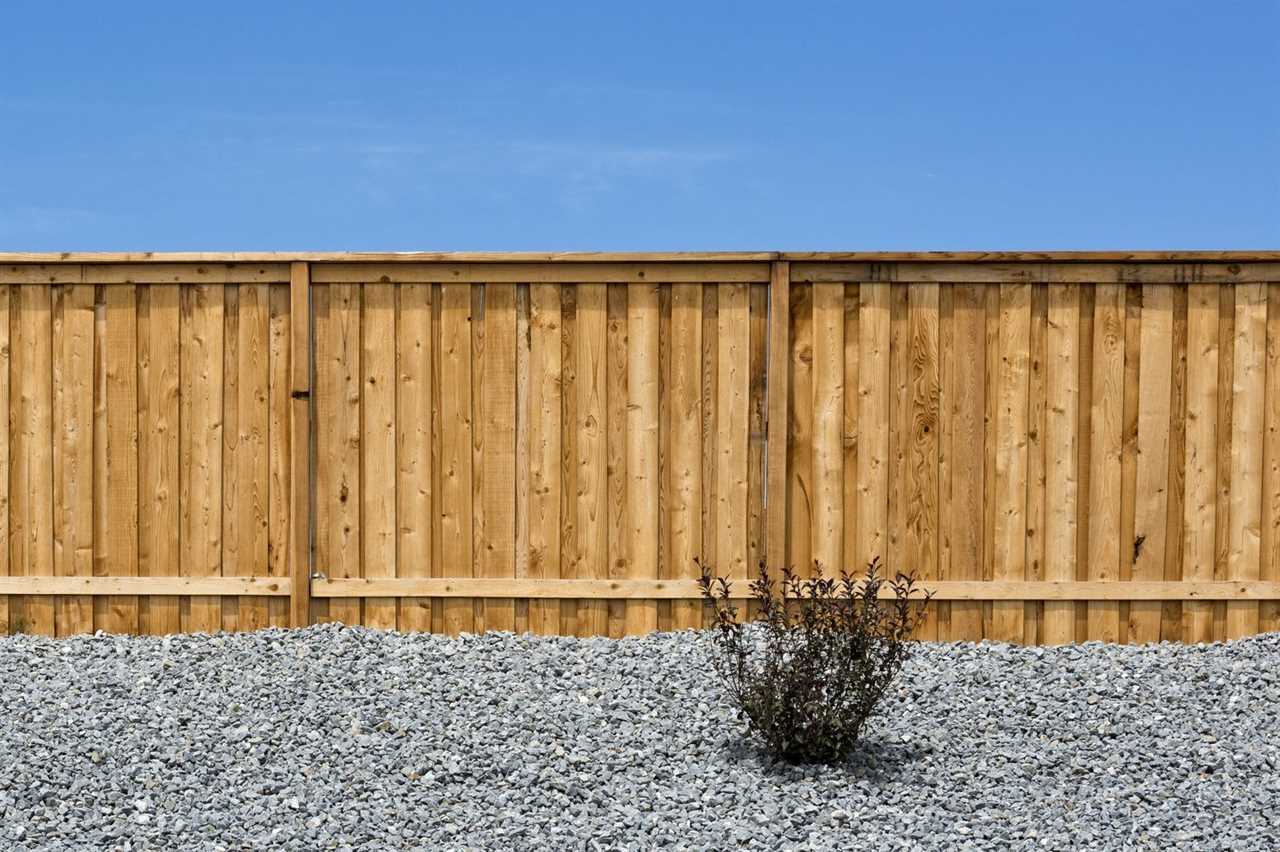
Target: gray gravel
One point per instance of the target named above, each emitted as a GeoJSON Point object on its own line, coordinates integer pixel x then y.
{"type": "Point", "coordinates": [343, 738]}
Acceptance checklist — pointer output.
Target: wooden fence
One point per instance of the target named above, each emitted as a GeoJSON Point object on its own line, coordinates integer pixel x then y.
{"type": "Point", "coordinates": [1064, 446]}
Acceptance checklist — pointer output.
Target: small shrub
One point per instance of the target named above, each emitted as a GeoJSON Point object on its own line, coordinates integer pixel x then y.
{"type": "Point", "coordinates": [808, 674]}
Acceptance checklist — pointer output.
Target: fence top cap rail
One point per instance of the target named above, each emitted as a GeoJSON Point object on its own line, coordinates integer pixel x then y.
{"type": "Point", "coordinates": [1238, 256]}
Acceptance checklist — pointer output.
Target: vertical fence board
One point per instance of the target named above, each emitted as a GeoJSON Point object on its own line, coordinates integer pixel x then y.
{"type": "Point", "coordinates": [414, 475]}
{"type": "Point", "coordinates": [1106, 427]}
{"type": "Point", "coordinates": [1151, 493]}
{"type": "Point", "coordinates": [377, 463]}
{"type": "Point", "coordinates": [231, 559]}
{"type": "Point", "coordinates": [455, 450]}
{"type": "Point", "coordinates": [569, 454]}
{"type": "Point", "coordinates": [733, 385]}
{"type": "Point", "coordinates": [828, 426]}
{"type": "Point", "coordinates": [1008, 617]}
{"type": "Point", "coordinates": [850, 432]}
{"type": "Point", "coordinates": [200, 501]}
{"type": "Point", "coordinates": [966, 497]}
{"type": "Point", "coordinates": [1062, 377]}
{"type": "Point", "coordinates": [478, 434]}
{"type": "Point", "coordinates": [31, 449]}
{"type": "Point", "coordinates": [642, 449]}
{"type": "Point", "coordinates": [122, 452]}
{"type": "Point", "coordinates": [544, 449]}
{"type": "Point", "coordinates": [620, 538]}
{"type": "Point", "coordinates": [1226, 380]}
{"type": "Point", "coordinates": [991, 396]}
{"type": "Point", "coordinates": [593, 515]}
{"type": "Point", "coordinates": [899, 425]}
{"type": "Point", "coordinates": [1171, 615]}
{"type": "Point", "coordinates": [946, 429]}
{"type": "Point", "coordinates": [343, 455]}
{"type": "Point", "coordinates": [1201, 453]}
{"type": "Point", "coordinates": [873, 421]}
{"type": "Point", "coordinates": [73, 451]}
{"type": "Point", "coordinates": [158, 447]}
{"type": "Point", "coordinates": [277, 448]}
{"type": "Point", "coordinates": [1129, 446]}
{"type": "Point", "coordinates": [921, 488]}
{"type": "Point", "coordinates": [251, 447]}
{"type": "Point", "coordinates": [778, 419]}
{"type": "Point", "coordinates": [8, 308]}
{"type": "Point", "coordinates": [497, 557]}
{"type": "Point", "coordinates": [521, 509]}
{"type": "Point", "coordinates": [1269, 615]}
{"type": "Point", "coordinates": [710, 431]}
{"type": "Point", "coordinates": [686, 443]}
{"type": "Point", "coordinates": [800, 444]}
{"type": "Point", "coordinates": [1248, 403]}
{"type": "Point", "coordinates": [1035, 495]}
{"type": "Point", "coordinates": [757, 429]}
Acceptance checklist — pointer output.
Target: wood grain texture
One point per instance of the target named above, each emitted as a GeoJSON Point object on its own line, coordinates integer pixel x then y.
{"type": "Point", "coordinates": [686, 445]}
{"type": "Point", "coordinates": [497, 557]}
{"type": "Point", "coordinates": [414, 470]}
{"type": "Point", "coordinates": [850, 431]}
{"type": "Point", "coordinates": [1269, 615]}
{"type": "Point", "coordinates": [873, 420]}
{"type": "Point", "coordinates": [778, 420]}
{"type": "Point", "coordinates": [1226, 408]}
{"type": "Point", "coordinates": [800, 447]}
{"type": "Point", "coordinates": [593, 513]}
{"type": "Point", "coordinates": [200, 431]}
{"type": "Point", "coordinates": [1201, 453]}
{"type": "Point", "coordinates": [31, 455]}
{"type": "Point", "coordinates": [1062, 377]}
{"type": "Point", "coordinates": [1171, 614]}
{"type": "Point", "coordinates": [618, 404]}
{"type": "Point", "coordinates": [455, 450]}
{"type": "Point", "coordinates": [733, 385]}
{"type": "Point", "coordinates": [378, 434]}
{"type": "Point", "coordinates": [968, 466]}
{"type": "Point", "coordinates": [828, 426]}
{"type": "Point", "coordinates": [1155, 385]}
{"type": "Point", "coordinates": [279, 401]}
{"type": "Point", "coordinates": [642, 449]}
{"type": "Point", "coordinates": [120, 615]}
{"type": "Point", "coordinates": [1011, 456]}
{"type": "Point", "coordinates": [921, 491]}
{"type": "Point", "coordinates": [1106, 437]}
{"type": "Point", "coordinates": [899, 427]}
{"type": "Point", "coordinates": [1037, 393]}
{"type": "Point", "coordinates": [230, 607]}
{"type": "Point", "coordinates": [1247, 439]}
{"type": "Point", "coordinates": [544, 449]}
{"type": "Point", "coordinates": [158, 448]}
{"type": "Point", "coordinates": [73, 450]}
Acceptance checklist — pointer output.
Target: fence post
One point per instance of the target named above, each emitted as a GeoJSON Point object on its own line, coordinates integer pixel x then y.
{"type": "Point", "coordinates": [776, 437]}
{"type": "Point", "coordinates": [300, 443]}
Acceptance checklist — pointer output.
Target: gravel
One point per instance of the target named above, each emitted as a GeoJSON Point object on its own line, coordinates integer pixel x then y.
{"type": "Point", "coordinates": [347, 738]}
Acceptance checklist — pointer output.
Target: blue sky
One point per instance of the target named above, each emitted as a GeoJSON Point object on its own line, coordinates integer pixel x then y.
{"type": "Point", "coordinates": [639, 126]}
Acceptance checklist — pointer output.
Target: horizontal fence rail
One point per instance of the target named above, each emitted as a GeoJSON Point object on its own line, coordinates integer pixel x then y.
{"type": "Point", "coordinates": [1061, 446]}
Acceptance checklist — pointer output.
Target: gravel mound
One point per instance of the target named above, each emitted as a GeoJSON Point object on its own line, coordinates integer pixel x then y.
{"type": "Point", "coordinates": [341, 738]}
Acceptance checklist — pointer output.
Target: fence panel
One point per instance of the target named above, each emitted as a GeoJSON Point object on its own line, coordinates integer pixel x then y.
{"type": "Point", "coordinates": [536, 423]}
{"type": "Point", "coordinates": [1117, 423]}
{"type": "Point", "coordinates": [145, 484]}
